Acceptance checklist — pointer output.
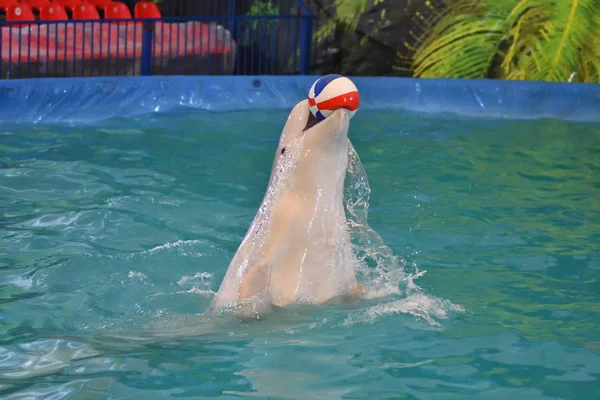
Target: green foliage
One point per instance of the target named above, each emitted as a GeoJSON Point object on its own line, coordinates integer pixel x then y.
{"type": "Point", "coordinates": [348, 14]}
{"type": "Point", "coordinates": [261, 9]}
{"type": "Point", "coordinates": [546, 40]}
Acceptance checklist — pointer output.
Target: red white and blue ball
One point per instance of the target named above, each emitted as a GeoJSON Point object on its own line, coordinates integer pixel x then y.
{"type": "Point", "coordinates": [331, 92]}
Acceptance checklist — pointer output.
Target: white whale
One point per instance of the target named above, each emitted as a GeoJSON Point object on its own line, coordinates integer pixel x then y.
{"type": "Point", "coordinates": [297, 249]}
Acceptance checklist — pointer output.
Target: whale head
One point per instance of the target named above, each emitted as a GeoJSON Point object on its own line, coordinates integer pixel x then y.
{"type": "Point", "coordinates": [322, 147]}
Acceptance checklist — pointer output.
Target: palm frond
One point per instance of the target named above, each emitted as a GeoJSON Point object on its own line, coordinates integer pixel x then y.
{"type": "Point", "coordinates": [525, 22]}
{"type": "Point", "coordinates": [513, 39]}
{"type": "Point", "coordinates": [325, 30]}
{"type": "Point", "coordinates": [589, 61]}
{"type": "Point", "coordinates": [349, 12]}
{"type": "Point", "coordinates": [347, 16]}
{"type": "Point", "coordinates": [569, 28]}
{"type": "Point", "coordinates": [460, 45]}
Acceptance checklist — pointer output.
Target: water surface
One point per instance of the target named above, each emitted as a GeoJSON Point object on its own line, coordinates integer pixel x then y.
{"type": "Point", "coordinates": [114, 230]}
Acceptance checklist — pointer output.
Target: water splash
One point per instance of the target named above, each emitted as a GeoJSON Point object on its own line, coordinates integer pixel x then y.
{"type": "Point", "coordinates": [180, 244]}
{"type": "Point", "coordinates": [379, 268]}
{"type": "Point", "coordinates": [382, 272]}
{"type": "Point", "coordinates": [199, 284]}
{"type": "Point", "coordinates": [419, 305]}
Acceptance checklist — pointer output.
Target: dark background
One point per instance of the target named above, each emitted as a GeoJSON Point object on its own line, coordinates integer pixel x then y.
{"type": "Point", "coordinates": [371, 49]}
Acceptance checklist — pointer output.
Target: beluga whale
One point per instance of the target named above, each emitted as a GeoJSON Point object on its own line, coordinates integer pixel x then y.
{"type": "Point", "coordinates": [297, 249]}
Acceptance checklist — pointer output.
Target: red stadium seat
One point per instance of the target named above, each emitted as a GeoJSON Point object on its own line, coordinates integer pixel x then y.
{"type": "Point", "coordinates": [19, 12]}
{"type": "Point", "coordinates": [53, 12]}
{"type": "Point", "coordinates": [4, 4]}
{"type": "Point", "coordinates": [146, 9]}
{"type": "Point", "coordinates": [85, 11]}
{"type": "Point", "coordinates": [99, 3]}
{"type": "Point", "coordinates": [35, 4]}
{"type": "Point", "coordinates": [116, 10]}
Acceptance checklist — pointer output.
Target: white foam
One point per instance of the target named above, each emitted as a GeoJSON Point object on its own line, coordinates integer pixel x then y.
{"type": "Point", "coordinates": [200, 284]}
{"type": "Point", "coordinates": [419, 305]}
{"type": "Point", "coordinates": [202, 292]}
{"type": "Point", "coordinates": [134, 274]}
{"type": "Point", "coordinates": [200, 275]}
{"type": "Point", "coordinates": [168, 246]}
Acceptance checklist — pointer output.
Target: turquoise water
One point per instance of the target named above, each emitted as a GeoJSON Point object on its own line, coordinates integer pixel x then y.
{"type": "Point", "coordinates": [115, 236]}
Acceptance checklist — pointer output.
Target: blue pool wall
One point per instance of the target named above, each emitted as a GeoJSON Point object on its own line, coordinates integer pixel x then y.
{"type": "Point", "coordinates": [73, 100]}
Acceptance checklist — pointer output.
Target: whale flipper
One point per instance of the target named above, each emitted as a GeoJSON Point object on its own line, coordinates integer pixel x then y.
{"type": "Point", "coordinates": [254, 293]}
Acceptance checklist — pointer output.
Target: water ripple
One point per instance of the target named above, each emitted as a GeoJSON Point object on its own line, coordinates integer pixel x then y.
{"type": "Point", "coordinates": [114, 239]}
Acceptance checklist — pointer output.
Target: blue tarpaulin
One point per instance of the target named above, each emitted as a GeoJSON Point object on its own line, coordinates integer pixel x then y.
{"type": "Point", "coordinates": [84, 100]}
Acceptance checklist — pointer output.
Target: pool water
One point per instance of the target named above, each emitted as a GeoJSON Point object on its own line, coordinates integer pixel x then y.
{"type": "Point", "coordinates": [116, 235]}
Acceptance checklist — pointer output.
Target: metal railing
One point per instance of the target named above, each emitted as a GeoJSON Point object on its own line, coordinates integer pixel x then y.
{"type": "Point", "coordinates": [250, 45]}
{"type": "Point", "coordinates": [206, 8]}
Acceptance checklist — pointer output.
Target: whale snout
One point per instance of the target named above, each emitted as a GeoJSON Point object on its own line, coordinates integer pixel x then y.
{"type": "Point", "coordinates": [342, 114]}
{"type": "Point", "coordinates": [343, 111]}
{"type": "Point", "coordinates": [336, 123]}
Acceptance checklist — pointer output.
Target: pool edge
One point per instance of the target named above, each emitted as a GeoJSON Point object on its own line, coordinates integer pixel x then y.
{"type": "Point", "coordinates": [49, 100]}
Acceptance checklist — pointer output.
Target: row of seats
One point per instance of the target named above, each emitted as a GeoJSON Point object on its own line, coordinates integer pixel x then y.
{"type": "Point", "coordinates": [92, 49]}
{"type": "Point", "coordinates": [80, 10]}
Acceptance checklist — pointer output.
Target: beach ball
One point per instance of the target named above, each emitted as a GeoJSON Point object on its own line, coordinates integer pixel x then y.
{"type": "Point", "coordinates": [331, 92]}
